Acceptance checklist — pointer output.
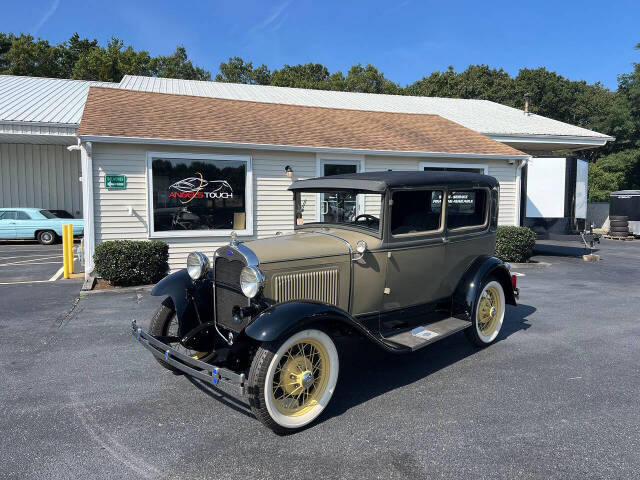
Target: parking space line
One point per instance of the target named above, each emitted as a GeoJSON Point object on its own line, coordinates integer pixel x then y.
{"type": "Point", "coordinates": [24, 281]}
{"type": "Point", "coordinates": [34, 261]}
{"type": "Point", "coordinates": [57, 275]}
{"type": "Point", "coordinates": [31, 256]}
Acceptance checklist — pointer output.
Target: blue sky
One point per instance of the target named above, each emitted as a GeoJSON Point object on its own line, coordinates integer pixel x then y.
{"type": "Point", "coordinates": [406, 39]}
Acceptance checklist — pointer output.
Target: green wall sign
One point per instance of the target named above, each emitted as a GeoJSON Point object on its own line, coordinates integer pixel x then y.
{"type": "Point", "coordinates": [115, 182]}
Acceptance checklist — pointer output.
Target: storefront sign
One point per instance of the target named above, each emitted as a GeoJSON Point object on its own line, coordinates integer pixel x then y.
{"type": "Point", "coordinates": [197, 187]}
{"type": "Point", "coordinates": [115, 182]}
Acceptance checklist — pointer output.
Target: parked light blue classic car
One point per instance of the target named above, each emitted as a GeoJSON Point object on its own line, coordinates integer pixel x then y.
{"type": "Point", "coordinates": [42, 225]}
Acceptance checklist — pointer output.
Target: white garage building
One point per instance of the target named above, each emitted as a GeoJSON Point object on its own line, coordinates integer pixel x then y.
{"type": "Point", "coordinates": [39, 118]}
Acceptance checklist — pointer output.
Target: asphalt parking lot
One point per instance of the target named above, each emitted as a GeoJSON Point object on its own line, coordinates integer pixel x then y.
{"type": "Point", "coordinates": [556, 397]}
{"type": "Point", "coordinates": [28, 261]}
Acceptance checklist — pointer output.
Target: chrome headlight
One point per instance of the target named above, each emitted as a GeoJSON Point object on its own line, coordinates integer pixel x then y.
{"type": "Point", "coordinates": [251, 280]}
{"type": "Point", "coordinates": [197, 265]}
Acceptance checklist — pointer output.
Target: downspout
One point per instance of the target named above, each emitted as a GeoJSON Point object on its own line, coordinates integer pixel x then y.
{"type": "Point", "coordinates": [521, 163]}
{"type": "Point", "coordinates": [87, 204]}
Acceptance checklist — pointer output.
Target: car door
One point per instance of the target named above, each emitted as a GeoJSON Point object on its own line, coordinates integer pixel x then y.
{"type": "Point", "coordinates": [415, 259]}
{"type": "Point", "coordinates": [7, 224]}
{"type": "Point", "coordinates": [25, 225]}
{"type": "Point", "coordinates": [467, 225]}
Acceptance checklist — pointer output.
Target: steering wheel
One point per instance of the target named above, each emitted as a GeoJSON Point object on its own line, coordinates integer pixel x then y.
{"type": "Point", "coordinates": [368, 218]}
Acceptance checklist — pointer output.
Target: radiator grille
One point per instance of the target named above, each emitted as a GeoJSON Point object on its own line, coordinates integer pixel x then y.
{"type": "Point", "coordinates": [228, 293]}
{"type": "Point", "coordinates": [319, 285]}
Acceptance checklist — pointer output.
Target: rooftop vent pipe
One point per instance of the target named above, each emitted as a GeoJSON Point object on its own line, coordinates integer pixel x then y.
{"type": "Point", "coordinates": [527, 100]}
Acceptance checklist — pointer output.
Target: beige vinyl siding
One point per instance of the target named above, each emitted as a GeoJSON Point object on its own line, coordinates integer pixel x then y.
{"type": "Point", "coordinates": [506, 175]}
{"type": "Point", "coordinates": [272, 202]}
{"type": "Point", "coordinates": [40, 176]}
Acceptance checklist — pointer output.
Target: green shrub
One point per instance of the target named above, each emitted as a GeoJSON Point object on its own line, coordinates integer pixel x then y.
{"type": "Point", "coordinates": [125, 262]}
{"type": "Point", "coordinates": [515, 244]}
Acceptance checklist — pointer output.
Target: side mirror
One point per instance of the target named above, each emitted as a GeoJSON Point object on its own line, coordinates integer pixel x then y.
{"type": "Point", "coordinates": [361, 248]}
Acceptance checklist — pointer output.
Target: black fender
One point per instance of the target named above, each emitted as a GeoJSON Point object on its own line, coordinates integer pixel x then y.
{"type": "Point", "coordinates": [279, 320]}
{"type": "Point", "coordinates": [193, 301]}
{"type": "Point", "coordinates": [468, 289]}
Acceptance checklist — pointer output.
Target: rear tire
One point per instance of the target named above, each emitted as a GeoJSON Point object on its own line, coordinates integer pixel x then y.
{"type": "Point", "coordinates": [488, 314]}
{"type": "Point", "coordinates": [47, 237]}
{"type": "Point", "coordinates": [292, 380]}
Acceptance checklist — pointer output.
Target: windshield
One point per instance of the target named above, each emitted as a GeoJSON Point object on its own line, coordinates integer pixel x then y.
{"type": "Point", "coordinates": [338, 207]}
{"type": "Point", "coordinates": [47, 214]}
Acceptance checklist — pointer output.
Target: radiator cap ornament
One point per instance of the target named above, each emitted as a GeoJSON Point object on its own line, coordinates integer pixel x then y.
{"type": "Point", "coordinates": [234, 239]}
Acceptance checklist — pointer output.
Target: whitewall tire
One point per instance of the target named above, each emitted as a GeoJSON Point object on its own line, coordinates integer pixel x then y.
{"type": "Point", "coordinates": [488, 314]}
{"type": "Point", "coordinates": [292, 381]}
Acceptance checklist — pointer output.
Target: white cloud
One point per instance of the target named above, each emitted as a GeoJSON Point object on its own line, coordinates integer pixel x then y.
{"type": "Point", "coordinates": [46, 17]}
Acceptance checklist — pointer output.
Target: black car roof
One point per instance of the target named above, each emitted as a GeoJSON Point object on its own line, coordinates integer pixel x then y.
{"type": "Point", "coordinates": [381, 181]}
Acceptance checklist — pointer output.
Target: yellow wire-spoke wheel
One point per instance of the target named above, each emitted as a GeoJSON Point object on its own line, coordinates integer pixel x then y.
{"type": "Point", "coordinates": [292, 379]}
{"type": "Point", "coordinates": [300, 377]}
{"type": "Point", "coordinates": [489, 309]}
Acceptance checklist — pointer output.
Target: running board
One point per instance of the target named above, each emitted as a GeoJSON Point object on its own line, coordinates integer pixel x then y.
{"type": "Point", "coordinates": [426, 335]}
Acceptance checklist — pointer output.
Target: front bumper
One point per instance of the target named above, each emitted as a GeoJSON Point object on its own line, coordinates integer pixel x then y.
{"type": "Point", "coordinates": [219, 377]}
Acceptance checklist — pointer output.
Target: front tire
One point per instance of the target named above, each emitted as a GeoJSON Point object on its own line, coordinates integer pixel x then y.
{"type": "Point", "coordinates": [164, 323]}
{"type": "Point", "coordinates": [291, 381]}
{"type": "Point", "coordinates": [488, 314]}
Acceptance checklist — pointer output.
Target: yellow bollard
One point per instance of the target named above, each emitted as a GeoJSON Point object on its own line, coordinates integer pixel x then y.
{"type": "Point", "coordinates": [65, 257]}
{"type": "Point", "coordinates": [70, 243]}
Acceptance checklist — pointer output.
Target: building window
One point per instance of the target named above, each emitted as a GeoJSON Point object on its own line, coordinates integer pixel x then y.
{"type": "Point", "coordinates": [466, 209]}
{"type": "Point", "coordinates": [197, 195]}
{"type": "Point", "coordinates": [416, 212]}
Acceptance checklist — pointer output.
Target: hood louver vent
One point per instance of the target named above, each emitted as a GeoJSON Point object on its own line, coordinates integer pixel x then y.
{"type": "Point", "coordinates": [319, 285]}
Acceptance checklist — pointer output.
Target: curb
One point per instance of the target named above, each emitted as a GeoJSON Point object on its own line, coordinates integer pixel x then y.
{"type": "Point", "coordinates": [530, 265]}
{"type": "Point", "coordinates": [145, 288]}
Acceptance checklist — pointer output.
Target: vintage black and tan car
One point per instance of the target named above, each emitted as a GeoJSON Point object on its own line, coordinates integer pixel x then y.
{"type": "Point", "coordinates": [400, 259]}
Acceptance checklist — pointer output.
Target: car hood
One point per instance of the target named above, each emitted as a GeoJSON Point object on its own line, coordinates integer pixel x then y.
{"type": "Point", "coordinates": [299, 245]}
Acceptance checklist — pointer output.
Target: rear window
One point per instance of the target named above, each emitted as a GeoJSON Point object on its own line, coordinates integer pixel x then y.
{"type": "Point", "coordinates": [466, 208]}
{"type": "Point", "coordinates": [416, 211]}
{"type": "Point", "coordinates": [47, 214]}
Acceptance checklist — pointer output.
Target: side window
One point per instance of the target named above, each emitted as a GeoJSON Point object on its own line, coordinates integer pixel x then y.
{"type": "Point", "coordinates": [23, 216]}
{"type": "Point", "coordinates": [466, 209]}
{"type": "Point", "coordinates": [8, 215]}
{"type": "Point", "coordinates": [417, 211]}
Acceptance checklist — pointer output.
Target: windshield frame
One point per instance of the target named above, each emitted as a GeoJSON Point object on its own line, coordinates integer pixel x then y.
{"type": "Point", "coordinates": [298, 208]}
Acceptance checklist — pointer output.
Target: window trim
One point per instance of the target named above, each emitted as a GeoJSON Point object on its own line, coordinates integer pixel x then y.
{"type": "Point", "coordinates": [249, 198]}
{"type": "Point", "coordinates": [426, 233]}
{"type": "Point", "coordinates": [487, 207]}
{"type": "Point", "coordinates": [322, 159]}
{"type": "Point", "coordinates": [483, 166]}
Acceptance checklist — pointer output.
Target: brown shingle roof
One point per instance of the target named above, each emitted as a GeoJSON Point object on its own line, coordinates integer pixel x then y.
{"type": "Point", "coordinates": [124, 113]}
